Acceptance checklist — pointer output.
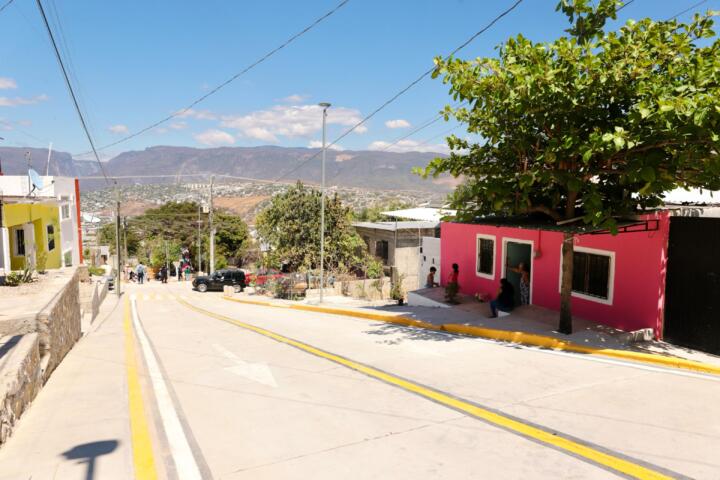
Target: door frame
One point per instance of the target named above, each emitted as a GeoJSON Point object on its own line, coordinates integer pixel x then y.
{"type": "Point", "coordinates": [507, 240]}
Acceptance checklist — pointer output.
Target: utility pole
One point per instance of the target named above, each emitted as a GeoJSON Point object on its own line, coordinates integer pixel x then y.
{"type": "Point", "coordinates": [211, 267]}
{"type": "Point", "coordinates": [125, 226]}
{"type": "Point", "coordinates": [167, 267]}
{"type": "Point", "coordinates": [199, 238]}
{"type": "Point", "coordinates": [324, 106]}
{"type": "Point", "coordinates": [117, 241]}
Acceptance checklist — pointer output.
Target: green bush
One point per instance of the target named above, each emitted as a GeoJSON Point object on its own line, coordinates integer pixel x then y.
{"type": "Point", "coordinates": [96, 271]}
{"type": "Point", "coordinates": [374, 268]}
{"type": "Point", "coordinates": [14, 279]}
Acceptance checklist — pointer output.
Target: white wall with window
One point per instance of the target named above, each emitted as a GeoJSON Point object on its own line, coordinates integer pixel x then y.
{"type": "Point", "coordinates": [593, 274]}
{"type": "Point", "coordinates": [485, 251]}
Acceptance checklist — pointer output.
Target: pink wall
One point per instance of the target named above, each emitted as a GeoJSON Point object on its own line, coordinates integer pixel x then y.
{"type": "Point", "coordinates": [639, 279]}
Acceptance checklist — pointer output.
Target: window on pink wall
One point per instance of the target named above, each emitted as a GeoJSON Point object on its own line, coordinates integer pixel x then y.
{"type": "Point", "coordinates": [485, 256]}
{"type": "Point", "coordinates": [593, 274]}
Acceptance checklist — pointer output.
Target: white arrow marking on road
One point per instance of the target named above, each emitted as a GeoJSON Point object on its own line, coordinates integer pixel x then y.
{"type": "Point", "coordinates": [257, 372]}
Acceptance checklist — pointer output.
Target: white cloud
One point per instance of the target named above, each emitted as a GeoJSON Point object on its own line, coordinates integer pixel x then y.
{"type": "Point", "coordinates": [294, 98]}
{"type": "Point", "coordinates": [408, 146]}
{"type": "Point", "coordinates": [260, 133]}
{"type": "Point", "coordinates": [7, 83]}
{"type": "Point", "coordinates": [178, 125]}
{"type": "Point", "coordinates": [399, 123]}
{"type": "Point", "coordinates": [15, 101]}
{"type": "Point", "coordinates": [361, 129]}
{"type": "Point", "coordinates": [197, 114]}
{"type": "Point", "coordinates": [318, 144]}
{"type": "Point", "coordinates": [289, 121]}
{"type": "Point", "coordinates": [119, 129]}
{"type": "Point", "coordinates": [214, 137]}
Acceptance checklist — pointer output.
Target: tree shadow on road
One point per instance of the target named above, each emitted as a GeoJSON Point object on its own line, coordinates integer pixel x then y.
{"type": "Point", "coordinates": [401, 333]}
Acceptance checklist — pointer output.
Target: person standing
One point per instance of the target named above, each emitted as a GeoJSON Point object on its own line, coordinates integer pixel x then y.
{"type": "Point", "coordinates": [524, 283]}
{"type": "Point", "coordinates": [187, 271]}
{"type": "Point", "coordinates": [452, 288]}
{"type": "Point", "coordinates": [163, 274]}
{"type": "Point", "coordinates": [140, 271]}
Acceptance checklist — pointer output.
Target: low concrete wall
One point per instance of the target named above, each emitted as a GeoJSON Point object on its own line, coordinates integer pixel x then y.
{"type": "Point", "coordinates": [369, 289]}
{"type": "Point", "coordinates": [20, 378]}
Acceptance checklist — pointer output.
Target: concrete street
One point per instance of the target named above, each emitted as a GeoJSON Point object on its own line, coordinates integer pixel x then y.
{"type": "Point", "coordinates": [221, 401]}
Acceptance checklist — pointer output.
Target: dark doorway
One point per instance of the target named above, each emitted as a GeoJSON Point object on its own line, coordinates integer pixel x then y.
{"type": "Point", "coordinates": [515, 254]}
{"type": "Point", "coordinates": [692, 291]}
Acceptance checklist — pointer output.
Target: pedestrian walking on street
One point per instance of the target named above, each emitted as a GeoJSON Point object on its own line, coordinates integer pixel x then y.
{"type": "Point", "coordinates": [140, 270]}
{"type": "Point", "coordinates": [163, 274]}
{"type": "Point", "coordinates": [187, 271]}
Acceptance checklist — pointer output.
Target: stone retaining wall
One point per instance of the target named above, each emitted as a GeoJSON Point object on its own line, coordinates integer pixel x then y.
{"type": "Point", "coordinates": [59, 325]}
{"type": "Point", "coordinates": [20, 378]}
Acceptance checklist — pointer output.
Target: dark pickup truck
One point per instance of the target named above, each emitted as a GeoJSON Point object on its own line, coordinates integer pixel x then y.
{"type": "Point", "coordinates": [219, 280]}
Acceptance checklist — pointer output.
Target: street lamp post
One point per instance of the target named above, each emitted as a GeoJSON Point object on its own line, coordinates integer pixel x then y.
{"type": "Point", "coordinates": [324, 106]}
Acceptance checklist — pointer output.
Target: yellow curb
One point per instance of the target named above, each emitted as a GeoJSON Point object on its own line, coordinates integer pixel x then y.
{"type": "Point", "coordinates": [522, 338]}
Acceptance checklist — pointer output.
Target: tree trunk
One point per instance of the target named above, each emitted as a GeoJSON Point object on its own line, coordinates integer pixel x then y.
{"type": "Point", "coordinates": [566, 285]}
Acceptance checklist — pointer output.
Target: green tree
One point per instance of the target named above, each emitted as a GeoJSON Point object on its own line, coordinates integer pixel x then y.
{"type": "Point", "coordinates": [291, 225]}
{"type": "Point", "coordinates": [176, 223]}
{"type": "Point", "coordinates": [373, 213]}
{"type": "Point", "coordinates": [596, 124]}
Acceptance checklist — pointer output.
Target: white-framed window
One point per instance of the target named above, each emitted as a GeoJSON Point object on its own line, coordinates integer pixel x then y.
{"type": "Point", "coordinates": [485, 256]}
{"type": "Point", "coordinates": [593, 274]}
{"type": "Point", "coordinates": [19, 242]}
{"type": "Point", "coordinates": [65, 211]}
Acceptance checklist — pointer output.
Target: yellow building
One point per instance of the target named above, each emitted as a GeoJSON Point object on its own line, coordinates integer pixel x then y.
{"type": "Point", "coordinates": [33, 227]}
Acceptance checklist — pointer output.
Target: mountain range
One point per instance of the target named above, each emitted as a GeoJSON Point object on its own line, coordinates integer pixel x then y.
{"type": "Point", "coordinates": [361, 168]}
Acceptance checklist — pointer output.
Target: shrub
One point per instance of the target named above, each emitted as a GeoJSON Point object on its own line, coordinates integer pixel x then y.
{"type": "Point", "coordinates": [14, 279]}
{"type": "Point", "coordinates": [396, 291]}
{"type": "Point", "coordinates": [93, 270]}
{"type": "Point", "coordinates": [374, 268]}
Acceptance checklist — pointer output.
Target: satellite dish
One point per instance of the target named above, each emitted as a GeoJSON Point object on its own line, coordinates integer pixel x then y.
{"type": "Point", "coordinates": [35, 179]}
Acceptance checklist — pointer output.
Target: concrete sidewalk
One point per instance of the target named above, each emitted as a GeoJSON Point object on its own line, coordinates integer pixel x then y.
{"type": "Point", "coordinates": [78, 424]}
{"type": "Point", "coordinates": [528, 321]}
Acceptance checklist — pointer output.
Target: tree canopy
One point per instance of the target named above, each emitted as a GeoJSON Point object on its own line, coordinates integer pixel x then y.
{"type": "Point", "coordinates": [291, 226]}
{"type": "Point", "coordinates": [596, 123]}
{"type": "Point", "coordinates": [176, 223]}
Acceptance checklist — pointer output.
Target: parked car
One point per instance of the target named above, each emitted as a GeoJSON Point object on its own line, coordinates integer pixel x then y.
{"type": "Point", "coordinates": [219, 280]}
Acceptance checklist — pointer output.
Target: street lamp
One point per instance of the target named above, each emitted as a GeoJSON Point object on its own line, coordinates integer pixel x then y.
{"type": "Point", "coordinates": [324, 106]}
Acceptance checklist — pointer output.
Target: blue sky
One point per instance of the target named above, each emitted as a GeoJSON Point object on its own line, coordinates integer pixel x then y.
{"type": "Point", "coordinates": [134, 62]}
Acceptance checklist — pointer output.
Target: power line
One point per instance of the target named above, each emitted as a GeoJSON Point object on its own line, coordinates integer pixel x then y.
{"type": "Point", "coordinates": [6, 5]}
{"type": "Point", "coordinates": [229, 80]}
{"type": "Point", "coordinates": [687, 10]}
{"type": "Point", "coordinates": [70, 89]}
{"type": "Point", "coordinates": [401, 92]}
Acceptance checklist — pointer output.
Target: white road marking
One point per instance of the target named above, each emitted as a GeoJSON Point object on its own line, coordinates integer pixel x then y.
{"type": "Point", "coordinates": [257, 372]}
{"type": "Point", "coordinates": [182, 455]}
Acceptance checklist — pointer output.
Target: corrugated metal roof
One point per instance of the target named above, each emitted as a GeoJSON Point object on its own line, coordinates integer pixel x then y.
{"type": "Point", "coordinates": [391, 226]}
{"type": "Point", "coordinates": [425, 214]}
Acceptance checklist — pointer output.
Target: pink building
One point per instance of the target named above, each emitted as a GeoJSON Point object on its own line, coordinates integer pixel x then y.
{"type": "Point", "coordinates": [618, 280]}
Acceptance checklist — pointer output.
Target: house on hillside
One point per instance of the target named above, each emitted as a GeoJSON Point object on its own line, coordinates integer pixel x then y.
{"type": "Point", "coordinates": [660, 271]}
{"type": "Point", "coordinates": [34, 220]}
{"type": "Point", "coordinates": [409, 241]}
